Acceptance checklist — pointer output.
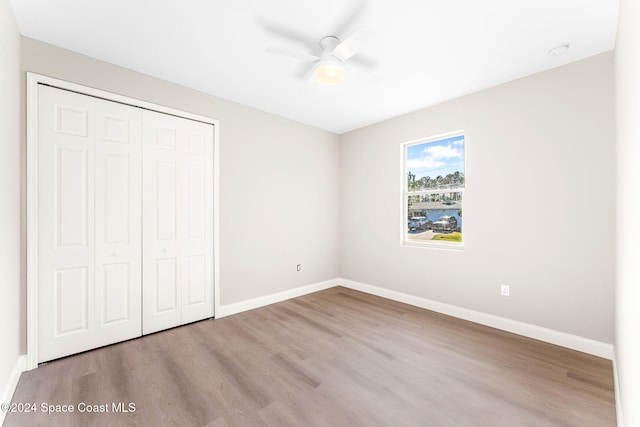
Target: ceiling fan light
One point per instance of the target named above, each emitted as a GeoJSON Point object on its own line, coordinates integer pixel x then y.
{"type": "Point", "coordinates": [329, 73]}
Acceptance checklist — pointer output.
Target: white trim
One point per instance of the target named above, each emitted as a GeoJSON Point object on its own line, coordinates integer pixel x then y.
{"type": "Point", "coordinates": [434, 138]}
{"type": "Point", "coordinates": [10, 388]}
{"type": "Point", "coordinates": [32, 192]}
{"type": "Point", "coordinates": [618, 396]}
{"type": "Point", "coordinates": [110, 96]}
{"type": "Point", "coordinates": [32, 221]}
{"type": "Point", "coordinates": [563, 339]}
{"type": "Point", "coordinates": [431, 244]}
{"type": "Point", "coordinates": [238, 307]}
{"type": "Point", "coordinates": [216, 218]}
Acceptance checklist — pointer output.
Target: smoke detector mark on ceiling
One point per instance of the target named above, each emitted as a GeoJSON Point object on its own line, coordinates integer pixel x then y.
{"type": "Point", "coordinates": [559, 50]}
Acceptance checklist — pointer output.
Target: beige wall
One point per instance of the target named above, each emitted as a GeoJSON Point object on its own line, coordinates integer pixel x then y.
{"type": "Point", "coordinates": [10, 184]}
{"type": "Point", "coordinates": [628, 270]}
{"type": "Point", "coordinates": [278, 178]}
{"type": "Point", "coordinates": [539, 208]}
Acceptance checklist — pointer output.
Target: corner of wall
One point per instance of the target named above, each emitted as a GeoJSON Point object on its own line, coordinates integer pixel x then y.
{"type": "Point", "coordinates": [11, 384]}
{"type": "Point", "coordinates": [11, 308]}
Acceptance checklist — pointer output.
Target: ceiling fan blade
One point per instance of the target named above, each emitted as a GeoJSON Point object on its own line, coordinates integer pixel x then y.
{"type": "Point", "coordinates": [353, 44]}
{"type": "Point", "coordinates": [290, 34]}
{"type": "Point", "coordinates": [365, 61]}
{"type": "Point", "coordinates": [302, 72]}
{"type": "Point", "coordinates": [350, 20]}
{"type": "Point", "coordinates": [309, 81]}
{"type": "Point", "coordinates": [365, 76]}
{"type": "Point", "coordinates": [301, 56]}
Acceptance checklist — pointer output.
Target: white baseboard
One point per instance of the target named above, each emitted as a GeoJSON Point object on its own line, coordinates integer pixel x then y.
{"type": "Point", "coordinates": [563, 339]}
{"type": "Point", "coordinates": [10, 388]}
{"type": "Point", "coordinates": [229, 309]}
{"type": "Point", "coordinates": [616, 389]}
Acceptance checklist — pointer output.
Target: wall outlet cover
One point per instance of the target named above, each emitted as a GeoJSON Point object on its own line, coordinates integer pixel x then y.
{"type": "Point", "coordinates": [504, 290]}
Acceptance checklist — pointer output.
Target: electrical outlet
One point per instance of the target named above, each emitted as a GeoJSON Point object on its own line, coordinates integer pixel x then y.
{"type": "Point", "coordinates": [299, 267]}
{"type": "Point", "coordinates": [504, 290]}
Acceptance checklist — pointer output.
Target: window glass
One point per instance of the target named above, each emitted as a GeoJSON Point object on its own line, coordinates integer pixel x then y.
{"type": "Point", "coordinates": [434, 189]}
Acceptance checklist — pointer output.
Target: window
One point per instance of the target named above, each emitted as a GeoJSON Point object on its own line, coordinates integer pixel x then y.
{"type": "Point", "coordinates": [433, 191]}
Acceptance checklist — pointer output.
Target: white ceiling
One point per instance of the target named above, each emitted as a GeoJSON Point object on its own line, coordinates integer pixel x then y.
{"type": "Point", "coordinates": [424, 52]}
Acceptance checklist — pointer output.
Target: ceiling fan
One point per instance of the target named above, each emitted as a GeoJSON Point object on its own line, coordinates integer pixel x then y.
{"type": "Point", "coordinates": [328, 67]}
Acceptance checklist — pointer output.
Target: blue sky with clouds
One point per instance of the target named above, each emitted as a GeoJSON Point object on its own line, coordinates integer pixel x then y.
{"type": "Point", "coordinates": [440, 157]}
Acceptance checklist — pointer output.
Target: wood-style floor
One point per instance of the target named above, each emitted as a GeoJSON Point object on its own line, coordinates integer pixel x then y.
{"type": "Point", "coordinates": [332, 358]}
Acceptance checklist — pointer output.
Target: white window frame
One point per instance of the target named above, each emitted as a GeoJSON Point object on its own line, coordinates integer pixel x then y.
{"type": "Point", "coordinates": [405, 193]}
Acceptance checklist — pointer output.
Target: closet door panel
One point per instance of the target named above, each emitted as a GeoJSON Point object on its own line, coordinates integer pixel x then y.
{"type": "Point", "coordinates": [89, 222]}
{"type": "Point", "coordinates": [65, 223]}
{"type": "Point", "coordinates": [196, 201]}
{"type": "Point", "coordinates": [71, 300]}
{"type": "Point", "coordinates": [71, 194]}
{"type": "Point", "coordinates": [162, 198]}
{"type": "Point", "coordinates": [165, 181]}
{"type": "Point", "coordinates": [118, 221]}
{"type": "Point", "coordinates": [165, 279]}
{"type": "Point", "coordinates": [178, 221]}
{"type": "Point", "coordinates": [115, 298]}
{"type": "Point", "coordinates": [197, 299]}
{"type": "Point", "coordinates": [196, 281]}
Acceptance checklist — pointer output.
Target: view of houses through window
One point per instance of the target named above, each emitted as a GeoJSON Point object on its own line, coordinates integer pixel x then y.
{"type": "Point", "coordinates": [433, 190]}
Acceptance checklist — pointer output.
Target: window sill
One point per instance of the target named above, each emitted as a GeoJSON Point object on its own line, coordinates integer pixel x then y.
{"type": "Point", "coordinates": [454, 247]}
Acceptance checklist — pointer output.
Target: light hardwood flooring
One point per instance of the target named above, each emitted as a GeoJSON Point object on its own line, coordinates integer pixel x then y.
{"type": "Point", "coordinates": [332, 358]}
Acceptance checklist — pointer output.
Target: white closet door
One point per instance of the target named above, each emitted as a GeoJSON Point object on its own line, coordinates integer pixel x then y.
{"type": "Point", "coordinates": [65, 222]}
{"type": "Point", "coordinates": [118, 220]}
{"type": "Point", "coordinates": [76, 310]}
{"type": "Point", "coordinates": [178, 212]}
{"type": "Point", "coordinates": [161, 196]}
{"type": "Point", "coordinates": [197, 291]}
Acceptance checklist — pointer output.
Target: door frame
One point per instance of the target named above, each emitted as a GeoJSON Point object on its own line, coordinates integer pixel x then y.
{"type": "Point", "coordinates": [33, 80]}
